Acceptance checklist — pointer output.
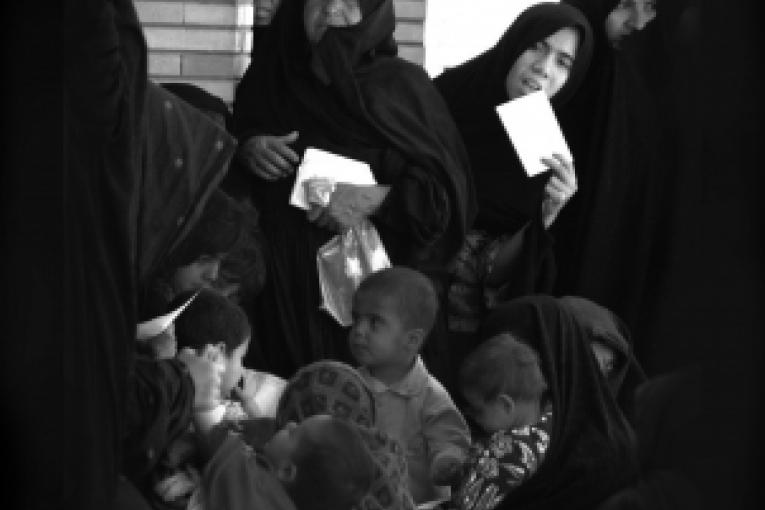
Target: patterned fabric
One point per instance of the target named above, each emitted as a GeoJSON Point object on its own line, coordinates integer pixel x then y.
{"type": "Point", "coordinates": [326, 387]}
{"type": "Point", "coordinates": [469, 297]}
{"type": "Point", "coordinates": [331, 387]}
{"type": "Point", "coordinates": [500, 464]}
{"type": "Point", "coordinates": [389, 486]}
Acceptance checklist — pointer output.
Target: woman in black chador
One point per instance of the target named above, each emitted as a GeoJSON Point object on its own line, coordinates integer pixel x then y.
{"type": "Point", "coordinates": [326, 75]}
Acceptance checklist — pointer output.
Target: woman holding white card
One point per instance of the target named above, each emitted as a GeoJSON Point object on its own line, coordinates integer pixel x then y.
{"type": "Point", "coordinates": [509, 252]}
{"type": "Point", "coordinates": [326, 76]}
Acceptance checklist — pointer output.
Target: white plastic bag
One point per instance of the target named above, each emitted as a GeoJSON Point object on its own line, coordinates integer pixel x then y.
{"type": "Point", "coordinates": [343, 262]}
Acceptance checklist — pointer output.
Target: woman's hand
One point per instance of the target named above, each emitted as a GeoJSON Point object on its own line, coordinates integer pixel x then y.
{"type": "Point", "coordinates": [559, 189]}
{"type": "Point", "coordinates": [349, 204]}
{"type": "Point", "coordinates": [270, 157]}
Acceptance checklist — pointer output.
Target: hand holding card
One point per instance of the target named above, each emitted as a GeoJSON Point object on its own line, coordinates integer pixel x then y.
{"type": "Point", "coordinates": [533, 130]}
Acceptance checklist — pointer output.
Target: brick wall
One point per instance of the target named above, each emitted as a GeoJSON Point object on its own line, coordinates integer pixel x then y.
{"type": "Point", "coordinates": [208, 42]}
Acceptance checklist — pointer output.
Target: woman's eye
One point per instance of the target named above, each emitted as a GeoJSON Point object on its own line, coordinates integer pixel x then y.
{"type": "Point", "coordinates": [565, 63]}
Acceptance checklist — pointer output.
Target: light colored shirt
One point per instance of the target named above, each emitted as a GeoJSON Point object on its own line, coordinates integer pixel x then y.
{"type": "Point", "coordinates": [419, 413]}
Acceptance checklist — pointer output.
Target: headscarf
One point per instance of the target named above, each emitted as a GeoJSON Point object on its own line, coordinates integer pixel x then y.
{"type": "Point", "coordinates": [604, 234]}
{"type": "Point", "coordinates": [201, 99]}
{"type": "Point", "coordinates": [591, 452]}
{"type": "Point", "coordinates": [480, 82]}
{"type": "Point", "coordinates": [326, 387]}
{"type": "Point", "coordinates": [507, 198]}
{"type": "Point", "coordinates": [331, 387]}
{"type": "Point", "coordinates": [373, 107]}
{"type": "Point", "coordinates": [606, 327]}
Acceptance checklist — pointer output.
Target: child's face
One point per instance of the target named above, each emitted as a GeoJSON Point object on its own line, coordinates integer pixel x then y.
{"type": "Point", "coordinates": [378, 336]}
{"type": "Point", "coordinates": [233, 371]}
{"type": "Point", "coordinates": [490, 415]}
{"type": "Point", "coordinates": [198, 275]}
{"type": "Point", "coordinates": [280, 450]}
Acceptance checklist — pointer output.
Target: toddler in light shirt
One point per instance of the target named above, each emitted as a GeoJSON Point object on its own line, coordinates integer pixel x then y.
{"type": "Point", "coordinates": [393, 312]}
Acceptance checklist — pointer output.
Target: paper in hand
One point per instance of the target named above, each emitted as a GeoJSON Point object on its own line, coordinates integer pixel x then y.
{"type": "Point", "coordinates": [157, 325]}
{"type": "Point", "coordinates": [534, 131]}
{"type": "Point", "coordinates": [321, 164]}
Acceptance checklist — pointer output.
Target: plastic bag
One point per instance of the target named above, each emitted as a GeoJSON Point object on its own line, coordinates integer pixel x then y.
{"type": "Point", "coordinates": [343, 262]}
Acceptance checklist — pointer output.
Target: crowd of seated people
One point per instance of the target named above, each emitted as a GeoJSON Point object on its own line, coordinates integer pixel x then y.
{"type": "Point", "coordinates": [252, 396]}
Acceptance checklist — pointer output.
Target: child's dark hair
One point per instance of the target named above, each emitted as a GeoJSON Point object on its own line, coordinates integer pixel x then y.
{"type": "Point", "coordinates": [221, 224]}
{"type": "Point", "coordinates": [503, 365]}
{"type": "Point", "coordinates": [413, 291]}
{"type": "Point", "coordinates": [333, 473]}
{"type": "Point", "coordinates": [209, 320]}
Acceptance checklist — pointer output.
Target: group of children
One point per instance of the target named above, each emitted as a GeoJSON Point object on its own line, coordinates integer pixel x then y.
{"type": "Point", "coordinates": [250, 452]}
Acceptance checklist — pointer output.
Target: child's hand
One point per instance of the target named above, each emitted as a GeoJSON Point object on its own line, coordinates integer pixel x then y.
{"type": "Point", "coordinates": [205, 372]}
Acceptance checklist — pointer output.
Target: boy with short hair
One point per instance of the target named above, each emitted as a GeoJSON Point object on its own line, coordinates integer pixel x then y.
{"type": "Point", "coordinates": [217, 328]}
{"type": "Point", "coordinates": [504, 389]}
{"type": "Point", "coordinates": [320, 464]}
{"type": "Point", "coordinates": [393, 312]}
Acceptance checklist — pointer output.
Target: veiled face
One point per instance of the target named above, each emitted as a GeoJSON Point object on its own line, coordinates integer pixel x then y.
{"type": "Point", "coordinates": [265, 11]}
{"type": "Point", "coordinates": [318, 15]}
{"type": "Point", "coordinates": [627, 17]}
{"type": "Point", "coordinates": [545, 66]}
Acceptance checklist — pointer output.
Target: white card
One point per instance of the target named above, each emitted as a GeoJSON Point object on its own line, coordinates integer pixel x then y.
{"type": "Point", "coordinates": [157, 325]}
{"type": "Point", "coordinates": [534, 130]}
{"type": "Point", "coordinates": [327, 165]}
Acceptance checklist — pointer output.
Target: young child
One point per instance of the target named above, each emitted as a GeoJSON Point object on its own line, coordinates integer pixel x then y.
{"type": "Point", "coordinates": [319, 464]}
{"type": "Point", "coordinates": [504, 389]}
{"type": "Point", "coordinates": [393, 312]}
{"type": "Point", "coordinates": [213, 326]}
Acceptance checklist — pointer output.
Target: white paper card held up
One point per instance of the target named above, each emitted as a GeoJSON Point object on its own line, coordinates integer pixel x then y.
{"type": "Point", "coordinates": [157, 325]}
{"type": "Point", "coordinates": [327, 165]}
{"type": "Point", "coordinates": [533, 128]}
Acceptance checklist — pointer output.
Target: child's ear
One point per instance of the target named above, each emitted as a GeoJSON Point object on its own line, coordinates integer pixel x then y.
{"type": "Point", "coordinates": [507, 403]}
{"type": "Point", "coordinates": [286, 472]}
{"type": "Point", "coordinates": [414, 339]}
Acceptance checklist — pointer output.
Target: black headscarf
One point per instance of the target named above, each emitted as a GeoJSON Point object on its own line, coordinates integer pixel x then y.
{"type": "Point", "coordinates": [591, 452]}
{"type": "Point", "coordinates": [604, 234]}
{"type": "Point", "coordinates": [201, 99]}
{"type": "Point", "coordinates": [373, 106]}
{"type": "Point", "coordinates": [507, 198]}
{"type": "Point", "coordinates": [607, 328]}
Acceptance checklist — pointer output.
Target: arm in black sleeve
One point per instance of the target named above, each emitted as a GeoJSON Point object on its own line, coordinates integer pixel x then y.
{"type": "Point", "coordinates": [416, 212]}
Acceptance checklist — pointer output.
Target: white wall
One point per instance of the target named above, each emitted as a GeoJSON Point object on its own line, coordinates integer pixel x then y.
{"type": "Point", "coordinates": [456, 30]}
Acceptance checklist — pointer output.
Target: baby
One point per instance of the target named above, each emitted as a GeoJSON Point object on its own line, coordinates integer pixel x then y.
{"type": "Point", "coordinates": [393, 312]}
{"type": "Point", "coordinates": [319, 464]}
{"type": "Point", "coordinates": [504, 390]}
